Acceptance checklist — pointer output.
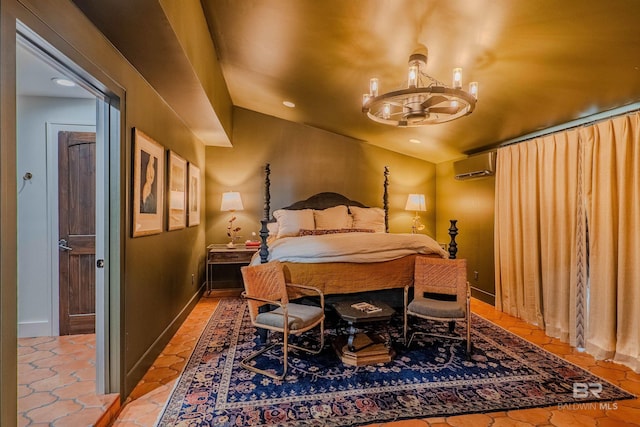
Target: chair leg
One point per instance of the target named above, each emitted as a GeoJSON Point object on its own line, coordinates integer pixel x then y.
{"type": "Point", "coordinates": [245, 363]}
{"type": "Point", "coordinates": [405, 328]}
{"type": "Point", "coordinates": [285, 350]}
{"type": "Point", "coordinates": [468, 337]}
{"type": "Point", "coordinates": [320, 345]}
{"type": "Point", "coordinates": [468, 328]}
{"type": "Point", "coordinates": [406, 300]}
{"type": "Point", "coordinates": [285, 357]}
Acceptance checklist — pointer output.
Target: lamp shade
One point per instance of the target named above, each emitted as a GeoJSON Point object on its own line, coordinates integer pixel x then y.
{"type": "Point", "coordinates": [231, 201]}
{"type": "Point", "coordinates": [416, 203]}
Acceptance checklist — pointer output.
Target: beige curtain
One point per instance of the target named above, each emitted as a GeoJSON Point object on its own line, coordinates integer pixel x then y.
{"type": "Point", "coordinates": [559, 227]}
{"type": "Point", "coordinates": [536, 223]}
{"type": "Point", "coordinates": [612, 190]}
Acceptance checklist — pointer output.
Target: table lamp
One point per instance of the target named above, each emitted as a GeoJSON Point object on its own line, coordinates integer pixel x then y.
{"type": "Point", "coordinates": [231, 202]}
{"type": "Point", "coordinates": [416, 203]}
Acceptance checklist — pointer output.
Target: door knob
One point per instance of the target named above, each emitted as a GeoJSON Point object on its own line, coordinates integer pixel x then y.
{"type": "Point", "coordinates": [62, 244]}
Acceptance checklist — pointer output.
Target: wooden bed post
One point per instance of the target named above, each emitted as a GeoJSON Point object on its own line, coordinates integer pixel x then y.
{"type": "Point", "coordinates": [385, 199]}
{"type": "Point", "coordinates": [453, 232]}
{"type": "Point", "coordinates": [264, 231]}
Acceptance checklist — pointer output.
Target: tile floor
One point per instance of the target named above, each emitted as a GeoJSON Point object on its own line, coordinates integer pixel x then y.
{"type": "Point", "coordinates": [143, 406]}
{"type": "Point", "coordinates": [57, 381]}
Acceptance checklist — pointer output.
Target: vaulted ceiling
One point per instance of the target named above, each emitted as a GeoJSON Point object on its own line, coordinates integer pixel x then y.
{"type": "Point", "coordinates": [538, 63]}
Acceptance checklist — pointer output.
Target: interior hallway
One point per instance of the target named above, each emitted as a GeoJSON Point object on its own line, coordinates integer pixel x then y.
{"type": "Point", "coordinates": [142, 408]}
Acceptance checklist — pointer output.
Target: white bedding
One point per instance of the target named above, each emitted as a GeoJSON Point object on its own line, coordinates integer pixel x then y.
{"type": "Point", "coordinates": [350, 247]}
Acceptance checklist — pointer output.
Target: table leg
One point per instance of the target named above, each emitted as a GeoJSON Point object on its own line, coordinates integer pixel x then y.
{"type": "Point", "coordinates": [208, 288]}
{"type": "Point", "coordinates": [352, 333]}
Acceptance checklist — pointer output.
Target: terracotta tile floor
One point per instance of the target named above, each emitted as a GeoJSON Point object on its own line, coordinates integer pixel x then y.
{"type": "Point", "coordinates": [57, 381]}
{"type": "Point", "coordinates": [143, 407]}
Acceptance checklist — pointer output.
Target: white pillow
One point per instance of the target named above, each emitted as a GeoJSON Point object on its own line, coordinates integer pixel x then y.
{"type": "Point", "coordinates": [290, 222]}
{"type": "Point", "coordinates": [368, 218]}
{"type": "Point", "coordinates": [272, 227]}
{"type": "Point", "coordinates": [333, 218]}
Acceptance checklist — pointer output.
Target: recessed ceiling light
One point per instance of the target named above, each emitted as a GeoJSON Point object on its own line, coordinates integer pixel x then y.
{"type": "Point", "coordinates": [63, 82]}
{"type": "Point", "coordinates": [415, 141]}
{"type": "Point", "coordinates": [288, 104]}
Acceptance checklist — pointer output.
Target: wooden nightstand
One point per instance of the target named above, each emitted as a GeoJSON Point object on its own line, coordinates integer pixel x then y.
{"type": "Point", "coordinates": [220, 256]}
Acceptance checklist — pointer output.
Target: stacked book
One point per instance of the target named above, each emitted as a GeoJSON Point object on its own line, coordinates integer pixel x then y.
{"type": "Point", "coordinates": [366, 307]}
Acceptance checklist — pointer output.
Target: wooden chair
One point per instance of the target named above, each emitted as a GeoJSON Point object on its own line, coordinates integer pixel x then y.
{"type": "Point", "coordinates": [441, 292]}
{"type": "Point", "coordinates": [265, 288]}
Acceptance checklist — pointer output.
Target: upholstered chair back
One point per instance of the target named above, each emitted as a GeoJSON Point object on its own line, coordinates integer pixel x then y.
{"type": "Point", "coordinates": [441, 276]}
{"type": "Point", "coordinates": [264, 281]}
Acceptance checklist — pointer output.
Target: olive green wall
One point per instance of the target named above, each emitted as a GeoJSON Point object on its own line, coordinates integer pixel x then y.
{"type": "Point", "coordinates": [304, 161]}
{"type": "Point", "coordinates": [471, 202]}
{"type": "Point", "coordinates": [156, 289]}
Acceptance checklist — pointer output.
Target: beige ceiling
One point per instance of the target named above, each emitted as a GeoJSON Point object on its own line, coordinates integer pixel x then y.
{"type": "Point", "coordinates": [539, 63]}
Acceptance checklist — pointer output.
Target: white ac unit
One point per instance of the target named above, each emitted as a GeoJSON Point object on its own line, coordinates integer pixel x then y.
{"type": "Point", "coordinates": [477, 166]}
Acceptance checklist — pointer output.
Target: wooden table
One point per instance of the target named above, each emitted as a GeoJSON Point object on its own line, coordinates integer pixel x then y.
{"type": "Point", "coordinates": [222, 255]}
{"type": "Point", "coordinates": [360, 347]}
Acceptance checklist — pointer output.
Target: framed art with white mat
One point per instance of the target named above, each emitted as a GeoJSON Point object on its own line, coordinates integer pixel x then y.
{"type": "Point", "coordinates": [148, 185]}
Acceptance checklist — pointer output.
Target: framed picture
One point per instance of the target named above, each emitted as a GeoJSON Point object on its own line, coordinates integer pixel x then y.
{"type": "Point", "coordinates": [148, 185]}
{"type": "Point", "coordinates": [177, 192]}
{"type": "Point", "coordinates": [194, 195]}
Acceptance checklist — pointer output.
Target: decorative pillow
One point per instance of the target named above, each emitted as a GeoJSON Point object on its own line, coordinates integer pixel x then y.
{"type": "Point", "coordinates": [290, 222]}
{"type": "Point", "coordinates": [368, 218]}
{"type": "Point", "coordinates": [305, 232]}
{"type": "Point", "coordinates": [331, 218]}
{"type": "Point", "coordinates": [273, 228]}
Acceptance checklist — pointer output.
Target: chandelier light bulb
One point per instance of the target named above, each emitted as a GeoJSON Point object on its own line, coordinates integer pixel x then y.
{"type": "Point", "coordinates": [373, 87]}
{"type": "Point", "coordinates": [413, 76]}
{"type": "Point", "coordinates": [473, 89]}
{"type": "Point", "coordinates": [386, 111]}
{"type": "Point", "coordinates": [457, 78]}
{"type": "Point", "coordinates": [365, 99]}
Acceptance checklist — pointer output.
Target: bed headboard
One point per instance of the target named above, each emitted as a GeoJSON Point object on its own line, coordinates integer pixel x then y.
{"type": "Point", "coordinates": [324, 201]}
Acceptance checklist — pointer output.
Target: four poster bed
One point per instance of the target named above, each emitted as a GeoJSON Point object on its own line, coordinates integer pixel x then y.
{"type": "Point", "coordinates": [341, 246]}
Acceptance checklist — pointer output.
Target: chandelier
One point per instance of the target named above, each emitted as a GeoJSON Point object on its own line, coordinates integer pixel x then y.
{"type": "Point", "coordinates": [425, 101]}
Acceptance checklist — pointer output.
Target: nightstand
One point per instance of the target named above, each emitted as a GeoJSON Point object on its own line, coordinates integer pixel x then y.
{"type": "Point", "coordinates": [222, 257]}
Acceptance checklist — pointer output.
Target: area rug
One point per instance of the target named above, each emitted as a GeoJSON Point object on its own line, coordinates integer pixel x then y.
{"type": "Point", "coordinates": [433, 378]}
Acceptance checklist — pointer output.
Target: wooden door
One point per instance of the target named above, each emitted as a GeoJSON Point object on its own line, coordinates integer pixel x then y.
{"type": "Point", "coordinates": [77, 208]}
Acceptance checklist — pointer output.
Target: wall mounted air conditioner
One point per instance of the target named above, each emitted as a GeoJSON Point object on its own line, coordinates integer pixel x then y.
{"type": "Point", "coordinates": [477, 166]}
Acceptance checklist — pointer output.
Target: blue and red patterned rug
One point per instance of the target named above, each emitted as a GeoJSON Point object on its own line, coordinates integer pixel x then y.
{"type": "Point", "coordinates": [433, 378]}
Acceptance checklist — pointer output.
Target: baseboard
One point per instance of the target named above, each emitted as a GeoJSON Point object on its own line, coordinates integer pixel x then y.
{"type": "Point", "coordinates": [135, 374]}
{"type": "Point", "coordinates": [34, 329]}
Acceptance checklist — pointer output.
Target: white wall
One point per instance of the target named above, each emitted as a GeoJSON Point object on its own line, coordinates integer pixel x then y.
{"type": "Point", "coordinates": [36, 235]}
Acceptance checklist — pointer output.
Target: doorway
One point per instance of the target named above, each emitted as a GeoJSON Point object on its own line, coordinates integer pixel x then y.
{"type": "Point", "coordinates": [67, 141]}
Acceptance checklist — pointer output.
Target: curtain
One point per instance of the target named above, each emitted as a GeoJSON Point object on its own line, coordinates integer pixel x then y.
{"type": "Point", "coordinates": [612, 190]}
{"type": "Point", "coordinates": [536, 224]}
{"type": "Point", "coordinates": [567, 236]}
{"type": "Point", "coordinates": [560, 226]}
{"type": "Point", "coordinates": [517, 251]}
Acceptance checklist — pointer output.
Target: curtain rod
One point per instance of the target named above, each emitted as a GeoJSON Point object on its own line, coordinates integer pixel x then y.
{"type": "Point", "coordinates": [591, 119]}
